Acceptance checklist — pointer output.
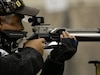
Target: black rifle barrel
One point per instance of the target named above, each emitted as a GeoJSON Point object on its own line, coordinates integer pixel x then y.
{"type": "Point", "coordinates": [87, 36]}
{"type": "Point", "coordinates": [83, 34]}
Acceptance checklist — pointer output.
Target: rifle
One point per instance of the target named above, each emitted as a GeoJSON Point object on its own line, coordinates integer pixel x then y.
{"type": "Point", "coordinates": [42, 30]}
{"type": "Point", "coordinates": [8, 39]}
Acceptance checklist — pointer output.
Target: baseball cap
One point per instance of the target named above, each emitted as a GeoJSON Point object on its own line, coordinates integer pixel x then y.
{"type": "Point", "coordinates": [16, 6]}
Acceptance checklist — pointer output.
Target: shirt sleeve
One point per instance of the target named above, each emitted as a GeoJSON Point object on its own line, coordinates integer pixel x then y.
{"type": "Point", "coordinates": [52, 67]}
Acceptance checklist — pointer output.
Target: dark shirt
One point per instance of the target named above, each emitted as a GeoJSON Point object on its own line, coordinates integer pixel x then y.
{"type": "Point", "coordinates": [28, 62]}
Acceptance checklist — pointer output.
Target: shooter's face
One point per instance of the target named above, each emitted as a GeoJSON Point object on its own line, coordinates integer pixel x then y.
{"type": "Point", "coordinates": [11, 22]}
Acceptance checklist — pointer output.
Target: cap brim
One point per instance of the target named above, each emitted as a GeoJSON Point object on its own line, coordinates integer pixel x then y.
{"type": "Point", "coordinates": [28, 11]}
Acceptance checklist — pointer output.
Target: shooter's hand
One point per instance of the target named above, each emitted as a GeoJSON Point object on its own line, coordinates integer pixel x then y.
{"type": "Point", "coordinates": [37, 44]}
{"type": "Point", "coordinates": [68, 40]}
{"type": "Point", "coordinates": [66, 50]}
